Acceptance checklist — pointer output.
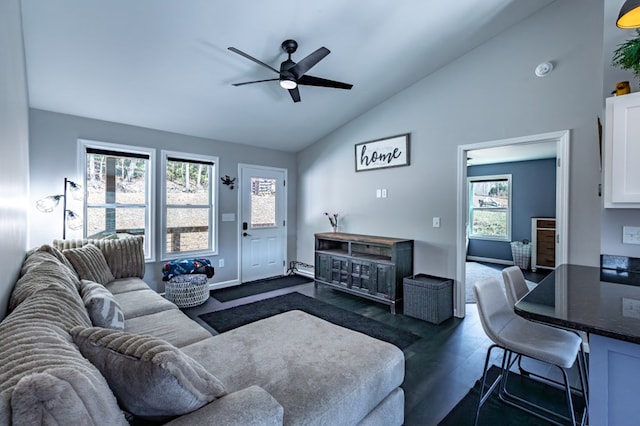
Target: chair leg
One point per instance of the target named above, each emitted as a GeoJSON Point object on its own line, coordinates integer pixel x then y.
{"type": "Point", "coordinates": [581, 361]}
{"type": "Point", "coordinates": [484, 396]}
{"type": "Point", "coordinates": [528, 406]}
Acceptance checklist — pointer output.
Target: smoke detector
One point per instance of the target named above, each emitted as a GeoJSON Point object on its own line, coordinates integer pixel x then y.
{"type": "Point", "coordinates": [544, 69]}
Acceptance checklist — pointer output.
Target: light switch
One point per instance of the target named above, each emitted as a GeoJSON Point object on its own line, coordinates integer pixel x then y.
{"type": "Point", "coordinates": [228, 217]}
{"type": "Point", "coordinates": [384, 193]}
{"type": "Point", "coordinates": [436, 222]}
{"type": "Point", "coordinates": [378, 193]}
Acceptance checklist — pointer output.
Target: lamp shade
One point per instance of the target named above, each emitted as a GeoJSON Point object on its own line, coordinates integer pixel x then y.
{"type": "Point", "coordinates": [75, 190]}
{"type": "Point", "coordinates": [72, 220]}
{"type": "Point", "coordinates": [629, 15]}
{"type": "Point", "coordinates": [47, 204]}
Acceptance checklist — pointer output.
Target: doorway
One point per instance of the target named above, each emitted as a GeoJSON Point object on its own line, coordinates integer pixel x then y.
{"type": "Point", "coordinates": [561, 140]}
{"type": "Point", "coordinates": [263, 230]}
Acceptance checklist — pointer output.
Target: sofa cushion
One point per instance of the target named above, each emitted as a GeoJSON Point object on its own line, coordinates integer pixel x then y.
{"type": "Point", "coordinates": [41, 270]}
{"type": "Point", "coordinates": [172, 325]}
{"type": "Point", "coordinates": [319, 372]}
{"type": "Point", "coordinates": [89, 263]}
{"type": "Point", "coordinates": [252, 406]}
{"type": "Point", "coordinates": [42, 374]}
{"type": "Point", "coordinates": [57, 254]}
{"type": "Point", "coordinates": [123, 285]}
{"type": "Point", "coordinates": [142, 302]}
{"type": "Point", "coordinates": [103, 309]}
{"type": "Point", "coordinates": [125, 256]}
{"type": "Point", "coordinates": [151, 378]}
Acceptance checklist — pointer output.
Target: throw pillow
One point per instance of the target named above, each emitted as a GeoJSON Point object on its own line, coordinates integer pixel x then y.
{"type": "Point", "coordinates": [89, 263]}
{"type": "Point", "coordinates": [102, 307]}
{"type": "Point", "coordinates": [125, 256]}
{"type": "Point", "coordinates": [151, 378]}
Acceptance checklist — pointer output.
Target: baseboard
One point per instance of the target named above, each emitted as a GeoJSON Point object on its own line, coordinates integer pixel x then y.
{"type": "Point", "coordinates": [223, 284]}
{"type": "Point", "coordinates": [305, 273]}
{"type": "Point", "coordinates": [490, 260]}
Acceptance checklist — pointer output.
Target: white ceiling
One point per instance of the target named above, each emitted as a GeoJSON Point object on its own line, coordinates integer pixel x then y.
{"type": "Point", "coordinates": [164, 64]}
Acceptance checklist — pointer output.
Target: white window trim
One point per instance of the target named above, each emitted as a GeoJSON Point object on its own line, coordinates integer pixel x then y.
{"type": "Point", "coordinates": [509, 209]}
{"type": "Point", "coordinates": [150, 230]}
{"type": "Point", "coordinates": [214, 187]}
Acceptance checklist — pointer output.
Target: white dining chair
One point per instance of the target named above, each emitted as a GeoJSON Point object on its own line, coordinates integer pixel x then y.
{"type": "Point", "coordinates": [516, 288]}
{"type": "Point", "coordinates": [518, 336]}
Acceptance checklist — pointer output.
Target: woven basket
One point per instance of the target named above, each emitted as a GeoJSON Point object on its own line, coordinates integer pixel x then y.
{"type": "Point", "coordinates": [187, 290]}
{"type": "Point", "coordinates": [428, 298]}
{"type": "Point", "coordinates": [521, 253]}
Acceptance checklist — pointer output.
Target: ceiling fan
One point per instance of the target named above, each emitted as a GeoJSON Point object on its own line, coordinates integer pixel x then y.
{"type": "Point", "coordinates": [292, 74]}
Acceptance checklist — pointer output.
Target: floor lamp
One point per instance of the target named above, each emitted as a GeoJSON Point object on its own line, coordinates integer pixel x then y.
{"type": "Point", "coordinates": [69, 218]}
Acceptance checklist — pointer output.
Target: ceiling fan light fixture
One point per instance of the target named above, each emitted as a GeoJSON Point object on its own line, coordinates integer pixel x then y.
{"type": "Point", "coordinates": [288, 84]}
{"type": "Point", "coordinates": [629, 15]}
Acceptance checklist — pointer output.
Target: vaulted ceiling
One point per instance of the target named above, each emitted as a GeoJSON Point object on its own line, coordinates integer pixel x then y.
{"type": "Point", "coordinates": [164, 64]}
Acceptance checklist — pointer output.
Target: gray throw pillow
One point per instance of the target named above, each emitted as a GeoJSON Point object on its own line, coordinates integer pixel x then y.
{"type": "Point", "coordinates": [151, 378]}
{"type": "Point", "coordinates": [102, 307]}
{"type": "Point", "coordinates": [90, 264]}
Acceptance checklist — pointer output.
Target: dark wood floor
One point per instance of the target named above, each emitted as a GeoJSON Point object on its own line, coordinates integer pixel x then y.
{"type": "Point", "coordinates": [439, 371]}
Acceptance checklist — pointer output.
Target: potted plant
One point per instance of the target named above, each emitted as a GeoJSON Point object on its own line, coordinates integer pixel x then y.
{"type": "Point", "coordinates": [627, 55]}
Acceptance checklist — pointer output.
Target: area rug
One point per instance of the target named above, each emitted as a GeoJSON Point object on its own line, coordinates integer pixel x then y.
{"type": "Point", "coordinates": [475, 272]}
{"type": "Point", "coordinates": [257, 287]}
{"type": "Point", "coordinates": [495, 412]}
{"type": "Point", "coordinates": [229, 319]}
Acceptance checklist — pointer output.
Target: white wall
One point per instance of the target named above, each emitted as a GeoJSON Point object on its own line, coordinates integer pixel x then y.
{"type": "Point", "coordinates": [14, 149]}
{"type": "Point", "coordinates": [489, 94]}
{"type": "Point", "coordinates": [53, 142]}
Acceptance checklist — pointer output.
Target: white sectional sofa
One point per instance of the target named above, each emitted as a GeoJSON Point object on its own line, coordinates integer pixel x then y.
{"type": "Point", "coordinates": [75, 353]}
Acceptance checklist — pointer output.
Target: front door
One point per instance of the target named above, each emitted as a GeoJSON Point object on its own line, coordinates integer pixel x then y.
{"type": "Point", "coordinates": [263, 222]}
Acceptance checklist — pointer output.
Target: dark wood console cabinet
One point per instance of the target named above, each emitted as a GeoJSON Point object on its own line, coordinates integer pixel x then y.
{"type": "Point", "coordinates": [364, 265]}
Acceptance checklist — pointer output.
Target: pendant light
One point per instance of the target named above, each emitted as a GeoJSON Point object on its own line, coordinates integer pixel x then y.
{"type": "Point", "coordinates": [629, 15]}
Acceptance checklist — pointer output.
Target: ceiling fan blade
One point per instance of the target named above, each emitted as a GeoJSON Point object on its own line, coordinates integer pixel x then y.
{"type": "Point", "coordinates": [256, 81]}
{"type": "Point", "coordinates": [295, 94]}
{"type": "Point", "coordinates": [308, 62]}
{"type": "Point", "coordinates": [309, 80]}
{"type": "Point", "coordinates": [251, 58]}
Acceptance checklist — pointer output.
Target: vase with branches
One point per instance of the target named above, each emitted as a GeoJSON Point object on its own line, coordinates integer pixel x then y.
{"type": "Point", "coordinates": [333, 220]}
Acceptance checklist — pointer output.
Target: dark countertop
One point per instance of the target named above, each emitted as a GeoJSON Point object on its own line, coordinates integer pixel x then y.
{"type": "Point", "coordinates": [591, 299]}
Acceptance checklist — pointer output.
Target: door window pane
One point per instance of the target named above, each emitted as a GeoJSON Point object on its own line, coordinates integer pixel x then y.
{"type": "Point", "coordinates": [263, 202]}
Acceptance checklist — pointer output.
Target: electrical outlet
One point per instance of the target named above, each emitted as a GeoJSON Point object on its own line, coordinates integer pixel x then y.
{"type": "Point", "coordinates": [630, 308]}
{"type": "Point", "coordinates": [378, 193]}
{"type": "Point", "coordinates": [384, 193]}
{"type": "Point", "coordinates": [220, 263]}
{"type": "Point", "coordinates": [630, 235]}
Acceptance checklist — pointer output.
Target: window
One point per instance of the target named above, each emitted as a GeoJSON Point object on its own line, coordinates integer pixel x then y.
{"type": "Point", "coordinates": [490, 207]}
{"type": "Point", "coordinates": [189, 210]}
{"type": "Point", "coordinates": [263, 202]}
{"type": "Point", "coordinates": [118, 188]}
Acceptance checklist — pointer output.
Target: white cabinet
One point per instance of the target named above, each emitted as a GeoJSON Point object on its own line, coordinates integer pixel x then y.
{"type": "Point", "coordinates": [622, 152]}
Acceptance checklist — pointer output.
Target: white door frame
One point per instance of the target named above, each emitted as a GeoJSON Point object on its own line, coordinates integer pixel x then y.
{"type": "Point", "coordinates": [241, 166]}
{"type": "Point", "coordinates": [562, 139]}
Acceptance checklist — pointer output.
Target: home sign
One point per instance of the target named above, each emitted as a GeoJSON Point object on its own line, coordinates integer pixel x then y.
{"type": "Point", "coordinates": [382, 153]}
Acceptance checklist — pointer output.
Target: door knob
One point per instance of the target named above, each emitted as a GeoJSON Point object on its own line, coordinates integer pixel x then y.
{"type": "Point", "coordinates": [245, 234]}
